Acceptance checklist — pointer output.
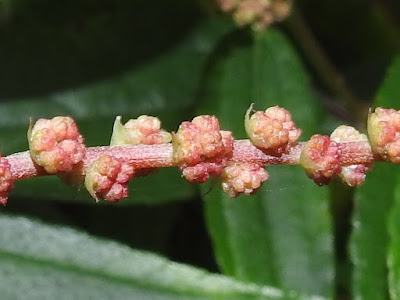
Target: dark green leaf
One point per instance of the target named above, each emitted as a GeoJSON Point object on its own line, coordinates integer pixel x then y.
{"type": "Point", "coordinates": [374, 201]}
{"type": "Point", "coordinates": [148, 90]}
{"type": "Point", "coordinates": [282, 235]}
{"type": "Point", "coordinates": [39, 261]}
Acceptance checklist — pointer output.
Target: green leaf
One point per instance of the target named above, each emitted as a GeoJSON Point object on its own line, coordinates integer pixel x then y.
{"type": "Point", "coordinates": [48, 262]}
{"type": "Point", "coordinates": [147, 90]}
{"type": "Point", "coordinates": [370, 237]}
{"type": "Point", "coordinates": [282, 235]}
{"type": "Point", "coordinates": [394, 247]}
{"type": "Point", "coordinates": [374, 201]}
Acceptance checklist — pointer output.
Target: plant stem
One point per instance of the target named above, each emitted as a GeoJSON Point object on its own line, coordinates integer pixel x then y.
{"type": "Point", "coordinates": [161, 155]}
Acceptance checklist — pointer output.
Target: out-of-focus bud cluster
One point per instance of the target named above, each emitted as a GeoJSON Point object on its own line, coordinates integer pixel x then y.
{"type": "Point", "coordinates": [384, 133]}
{"type": "Point", "coordinates": [56, 144]}
{"type": "Point", "coordinates": [257, 13]}
{"type": "Point", "coordinates": [353, 175]}
{"type": "Point", "coordinates": [320, 159]}
{"type": "Point", "coordinates": [144, 130]}
{"type": "Point", "coordinates": [273, 131]}
{"type": "Point", "coordinates": [238, 178]}
{"type": "Point", "coordinates": [201, 149]}
{"type": "Point", "coordinates": [107, 178]}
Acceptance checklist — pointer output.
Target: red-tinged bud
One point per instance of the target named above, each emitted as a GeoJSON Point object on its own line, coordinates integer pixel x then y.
{"type": "Point", "coordinates": [258, 13]}
{"type": "Point", "coordinates": [320, 159]}
{"type": "Point", "coordinates": [202, 147]}
{"type": "Point", "coordinates": [107, 178]}
{"type": "Point", "coordinates": [143, 130]}
{"type": "Point", "coordinates": [56, 144]}
{"type": "Point", "coordinates": [281, 9]}
{"type": "Point", "coordinates": [227, 5]}
{"type": "Point", "coordinates": [249, 11]}
{"type": "Point", "coordinates": [238, 178]}
{"type": "Point", "coordinates": [272, 131]}
{"type": "Point", "coordinates": [6, 180]}
{"type": "Point", "coordinates": [384, 133]}
{"type": "Point", "coordinates": [353, 175]}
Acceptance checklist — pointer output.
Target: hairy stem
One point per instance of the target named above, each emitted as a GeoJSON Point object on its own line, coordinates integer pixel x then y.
{"type": "Point", "coordinates": [157, 156]}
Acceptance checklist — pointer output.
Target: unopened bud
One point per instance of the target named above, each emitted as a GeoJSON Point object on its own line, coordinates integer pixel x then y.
{"type": "Point", "coordinates": [143, 130]}
{"type": "Point", "coordinates": [202, 147]}
{"type": "Point", "coordinates": [56, 144]}
{"type": "Point", "coordinates": [272, 131]}
{"type": "Point", "coordinates": [238, 178]}
{"type": "Point", "coordinates": [353, 175]}
{"type": "Point", "coordinates": [384, 133]}
{"type": "Point", "coordinates": [107, 178]}
{"type": "Point", "coordinates": [320, 159]}
{"type": "Point", "coordinates": [6, 180]}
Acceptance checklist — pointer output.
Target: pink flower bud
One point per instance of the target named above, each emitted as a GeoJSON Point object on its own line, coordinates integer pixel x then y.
{"type": "Point", "coordinates": [272, 131]}
{"type": "Point", "coordinates": [320, 159]}
{"type": "Point", "coordinates": [353, 175]}
{"type": "Point", "coordinates": [249, 11]}
{"type": "Point", "coordinates": [202, 147]}
{"type": "Point", "coordinates": [6, 180]}
{"type": "Point", "coordinates": [384, 133]}
{"type": "Point", "coordinates": [143, 130]}
{"type": "Point", "coordinates": [56, 144]}
{"type": "Point", "coordinates": [107, 178]}
{"type": "Point", "coordinates": [227, 5]}
{"type": "Point", "coordinates": [244, 178]}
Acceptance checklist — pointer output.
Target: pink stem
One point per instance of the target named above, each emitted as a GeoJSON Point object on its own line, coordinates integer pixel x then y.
{"type": "Point", "coordinates": [157, 156]}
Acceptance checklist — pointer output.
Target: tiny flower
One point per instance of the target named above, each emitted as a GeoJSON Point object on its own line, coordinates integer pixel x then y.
{"type": "Point", "coordinates": [272, 130]}
{"type": "Point", "coordinates": [6, 180]}
{"type": "Point", "coordinates": [56, 144]}
{"type": "Point", "coordinates": [107, 178]}
{"type": "Point", "coordinates": [202, 147]}
{"type": "Point", "coordinates": [320, 159]}
{"type": "Point", "coordinates": [353, 175]}
{"type": "Point", "coordinates": [384, 133]}
{"type": "Point", "coordinates": [143, 130]}
{"type": "Point", "coordinates": [244, 178]}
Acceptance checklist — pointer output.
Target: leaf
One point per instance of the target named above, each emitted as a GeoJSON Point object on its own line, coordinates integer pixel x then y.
{"type": "Point", "coordinates": [394, 247]}
{"type": "Point", "coordinates": [48, 262]}
{"type": "Point", "coordinates": [374, 201]}
{"type": "Point", "coordinates": [282, 235]}
{"type": "Point", "coordinates": [147, 90]}
{"type": "Point", "coordinates": [370, 237]}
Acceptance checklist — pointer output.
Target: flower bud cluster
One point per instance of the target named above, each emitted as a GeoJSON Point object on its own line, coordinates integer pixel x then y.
{"type": "Point", "coordinates": [56, 144]}
{"type": "Point", "coordinates": [320, 159]}
{"type": "Point", "coordinates": [258, 13]}
{"type": "Point", "coordinates": [244, 178]}
{"type": "Point", "coordinates": [201, 149]}
{"type": "Point", "coordinates": [272, 131]}
{"type": "Point", "coordinates": [107, 178]}
{"type": "Point", "coordinates": [384, 133]}
{"type": "Point", "coordinates": [6, 180]}
{"type": "Point", "coordinates": [354, 174]}
{"type": "Point", "coordinates": [145, 130]}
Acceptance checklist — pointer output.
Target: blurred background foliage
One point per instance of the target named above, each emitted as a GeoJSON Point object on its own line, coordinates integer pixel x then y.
{"type": "Point", "coordinates": [174, 59]}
